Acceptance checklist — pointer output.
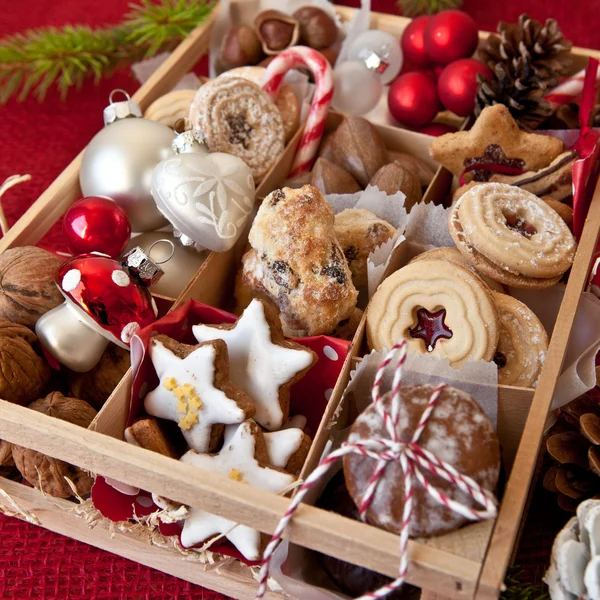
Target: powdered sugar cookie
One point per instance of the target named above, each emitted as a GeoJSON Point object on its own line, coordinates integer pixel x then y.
{"type": "Point", "coordinates": [195, 391]}
{"type": "Point", "coordinates": [287, 102]}
{"type": "Point", "coordinates": [445, 311]}
{"type": "Point", "coordinates": [511, 235]}
{"type": "Point", "coordinates": [237, 117]}
{"type": "Point", "coordinates": [262, 362]}
{"type": "Point", "coordinates": [458, 433]}
{"type": "Point", "coordinates": [522, 345]}
{"type": "Point", "coordinates": [244, 458]}
{"type": "Point", "coordinates": [171, 107]}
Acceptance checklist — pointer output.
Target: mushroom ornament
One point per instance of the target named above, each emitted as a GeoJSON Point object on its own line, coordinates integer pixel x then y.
{"type": "Point", "coordinates": [207, 198]}
{"type": "Point", "coordinates": [105, 301]}
{"type": "Point", "coordinates": [575, 564]}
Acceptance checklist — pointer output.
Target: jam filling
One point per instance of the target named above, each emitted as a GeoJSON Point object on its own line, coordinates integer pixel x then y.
{"type": "Point", "coordinates": [240, 131]}
{"type": "Point", "coordinates": [500, 360]}
{"type": "Point", "coordinates": [431, 327]}
{"type": "Point", "coordinates": [520, 225]}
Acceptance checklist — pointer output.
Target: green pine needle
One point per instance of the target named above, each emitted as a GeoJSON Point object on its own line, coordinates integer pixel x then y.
{"type": "Point", "coordinates": [518, 588]}
{"type": "Point", "coordinates": [37, 60]}
{"type": "Point", "coordinates": [414, 8]}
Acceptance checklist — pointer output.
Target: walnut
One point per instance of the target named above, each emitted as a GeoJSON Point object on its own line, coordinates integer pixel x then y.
{"type": "Point", "coordinates": [23, 371]}
{"type": "Point", "coordinates": [27, 288]}
{"type": "Point", "coordinates": [97, 385]}
{"type": "Point", "coordinates": [44, 472]}
{"type": "Point", "coordinates": [6, 459]}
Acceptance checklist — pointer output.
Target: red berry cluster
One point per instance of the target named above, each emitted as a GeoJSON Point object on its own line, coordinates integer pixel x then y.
{"type": "Point", "coordinates": [438, 71]}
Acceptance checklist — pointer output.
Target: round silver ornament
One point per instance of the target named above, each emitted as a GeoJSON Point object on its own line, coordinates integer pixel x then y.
{"type": "Point", "coordinates": [206, 197]}
{"type": "Point", "coordinates": [119, 161]}
{"type": "Point", "coordinates": [178, 263]}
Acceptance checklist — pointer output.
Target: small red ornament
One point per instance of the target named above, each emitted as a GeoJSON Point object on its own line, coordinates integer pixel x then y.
{"type": "Point", "coordinates": [437, 129]}
{"type": "Point", "coordinates": [413, 44]}
{"type": "Point", "coordinates": [450, 35]}
{"type": "Point", "coordinates": [457, 85]}
{"type": "Point", "coordinates": [413, 99]}
{"type": "Point", "coordinates": [96, 224]}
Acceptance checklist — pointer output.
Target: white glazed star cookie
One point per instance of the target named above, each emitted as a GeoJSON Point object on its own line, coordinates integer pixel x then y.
{"type": "Point", "coordinates": [244, 458]}
{"type": "Point", "coordinates": [263, 364]}
{"type": "Point", "coordinates": [195, 391]}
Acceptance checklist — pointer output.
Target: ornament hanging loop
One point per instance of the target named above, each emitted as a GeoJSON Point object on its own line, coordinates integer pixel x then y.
{"type": "Point", "coordinates": [164, 260]}
{"type": "Point", "coordinates": [122, 109]}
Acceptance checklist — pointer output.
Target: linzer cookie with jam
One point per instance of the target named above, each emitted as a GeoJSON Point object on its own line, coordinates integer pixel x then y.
{"type": "Point", "coordinates": [511, 236]}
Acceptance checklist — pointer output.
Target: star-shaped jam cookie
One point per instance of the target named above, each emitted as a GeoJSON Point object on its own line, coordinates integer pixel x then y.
{"type": "Point", "coordinates": [495, 157]}
{"type": "Point", "coordinates": [262, 362]}
{"type": "Point", "coordinates": [431, 327]}
{"type": "Point", "coordinates": [195, 391]}
{"type": "Point", "coordinates": [495, 125]}
{"type": "Point", "coordinates": [243, 458]}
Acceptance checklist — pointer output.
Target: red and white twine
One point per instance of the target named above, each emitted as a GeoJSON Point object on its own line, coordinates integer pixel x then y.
{"type": "Point", "coordinates": [298, 56]}
{"type": "Point", "coordinates": [413, 461]}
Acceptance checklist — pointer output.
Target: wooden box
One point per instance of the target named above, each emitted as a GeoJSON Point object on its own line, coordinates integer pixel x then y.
{"type": "Point", "coordinates": [465, 564]}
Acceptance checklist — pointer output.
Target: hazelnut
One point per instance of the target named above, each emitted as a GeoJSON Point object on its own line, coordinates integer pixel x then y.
{"type": "Point", "coordinates": [27, 288]}
{"type": "Point", "coordinates": [332, 52]}
{"type": "Point", "coordinates": [46, 473]}
{"type": "Point", "coordinates": [276, 30]}
{"type": "Point", "coordinates": [240, 47]}
{"type": "Point", "coordinates": [317, 29]}
{"type": "Point", "coordinates": [23, 371]}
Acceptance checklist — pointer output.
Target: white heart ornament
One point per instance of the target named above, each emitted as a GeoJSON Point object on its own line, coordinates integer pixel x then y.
{"type": "Point", "coordinates": [207, 197]}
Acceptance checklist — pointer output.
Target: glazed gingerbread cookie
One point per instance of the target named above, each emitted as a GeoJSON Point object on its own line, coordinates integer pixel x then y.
{"type": "Point", "coordinates": [511, 235]}
{"type": "Point", "coordinates": [453, 255]}
{"type": "Point", "coordinates": [297, 262]}
{"type": "Point", "coordinates": [444, 311]}
{"type": "Point", "coordinates": [195, 391]}
{"type": "Point", "coordinates": [359, 233]}
{"type": "Point", "coordinates": [522, 345]}
{"type": "Point", "coordinates": [287, 102]}
{"type": "Point", "coordinates": [243, 458]}
{"type": "Point", "coordinates": [262, 362]}
{"type": "Point", "coordinates": [496, 139]}
{"type": "Point", "coordinates": [237, 117]}
{"type": "Point", "coordinates": [147, 433]}
{"type": "Point", "coordinates": [458, 432]}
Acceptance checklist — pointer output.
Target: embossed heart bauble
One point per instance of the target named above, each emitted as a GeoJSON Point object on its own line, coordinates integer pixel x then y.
{"type": "Point", "coordinates": [206, 197]}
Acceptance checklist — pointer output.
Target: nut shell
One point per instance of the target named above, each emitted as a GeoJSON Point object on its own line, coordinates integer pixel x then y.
{"type": "Point", "coordinates": [394, 178]}
{"type": "Point", "coordinates": [317, 29]}
{"type": "Point", "coordinates": [328, 178]}
{"type": "Point", "coordinates": [240, 47]}
{"type": "Point", "coordinates": [23, 371]}
{"type": "Point", "coordinates": [27, 288]}
{"type": "Point", "coordinates": [276, 31]}
{"type": "Point", "coordinates": [46, 473]}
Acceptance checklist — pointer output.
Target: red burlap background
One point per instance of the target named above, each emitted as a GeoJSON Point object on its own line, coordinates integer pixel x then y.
{"type": "Point", "coordinates": [41, 139]}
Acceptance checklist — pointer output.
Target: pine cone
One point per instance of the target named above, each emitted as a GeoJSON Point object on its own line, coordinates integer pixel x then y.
{"type": "Point", "coordinates": [519, 90]}
{"type": "Point", "coordinates": [574, 443]}
{"type": "Point", "coordinates": [542, 47]}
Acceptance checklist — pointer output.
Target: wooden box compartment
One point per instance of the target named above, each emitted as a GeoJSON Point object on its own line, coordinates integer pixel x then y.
{"type": "Point", "coordinates": [470, 562]}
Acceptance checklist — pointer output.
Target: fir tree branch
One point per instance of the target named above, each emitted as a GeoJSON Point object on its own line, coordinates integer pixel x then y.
{"type": "Point", "coordinates": [37, 60]}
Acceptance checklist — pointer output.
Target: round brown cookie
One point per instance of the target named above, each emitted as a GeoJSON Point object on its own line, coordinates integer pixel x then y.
{"type": "Point", "coordinates": [522, 345]}
{"type": "Point", "coordinates": [453, 255]}
{"type": "Point", "coordinates": [458, 432]}
{"type": "Point", "coordinates": [359, 232]}
{"type": "Point", "coordinates": [287, 102]}
{"type": "Point", "coordinates": [446, 311]}
{"type": "Point", "coordinates": [237, 117]}
{"type": "Point", "coordinates": [511, 235]}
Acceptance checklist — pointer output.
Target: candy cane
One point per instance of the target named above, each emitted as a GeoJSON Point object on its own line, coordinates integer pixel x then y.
{"type": "Point", "coordinates": [568, 91]}
{"type": "Point", "coordinates": [315, 123]}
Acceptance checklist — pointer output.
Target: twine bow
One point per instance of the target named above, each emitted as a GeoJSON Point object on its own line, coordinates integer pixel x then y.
{"type": "Point", "coordinates": [413, 460]}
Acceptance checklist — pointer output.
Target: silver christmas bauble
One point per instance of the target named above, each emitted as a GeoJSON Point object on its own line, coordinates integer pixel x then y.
{"type": "Point", "coordinates": [118, 163]}
{"type": "Point", "coordinates": [178, 262]}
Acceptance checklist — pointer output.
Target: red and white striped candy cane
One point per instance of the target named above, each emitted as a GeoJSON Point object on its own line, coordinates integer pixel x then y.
{"type": "Point", "coordinates": [569, 90]}
{"type": "Point", "coordinates": [297, 56]}
{"type": "Point", "coordinates": [412, 459]}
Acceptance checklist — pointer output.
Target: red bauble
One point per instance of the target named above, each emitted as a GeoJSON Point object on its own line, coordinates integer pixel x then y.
{"type": "Point", "coordinates": [96, 224]}
{"type": "Point", "coordinates": [413, 45]}
{"type": "Point", "coordinates": [437, 129]}
{"type": "Point", "coordinates": [450, 35]}
{"type": "Point", "coordinates": [413, 99]}
{"type": "Point", "coordinates": [457, 85]}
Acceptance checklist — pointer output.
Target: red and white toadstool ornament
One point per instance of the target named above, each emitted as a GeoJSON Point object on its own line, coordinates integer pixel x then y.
{"type": "Point", "coordinates": [105, 301]}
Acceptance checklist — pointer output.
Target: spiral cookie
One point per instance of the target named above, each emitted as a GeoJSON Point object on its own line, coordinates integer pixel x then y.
{"type": "Point", "coordinates": [448, 312]}
{"type": "Point", "coordinates": [450, 254]}
{"type": "Point", "coordinates": [287, 102]}
{"type": "Point", "coordinates": [458, 432]}
{"type": "Point", "coordinates": [511, 235]}
{"type": "Point", "coordinates": [171, 107]}
{"type": "Point", "coordinates": [236, 117]}
{"type": "Point", "coordinates": [522, 345]}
